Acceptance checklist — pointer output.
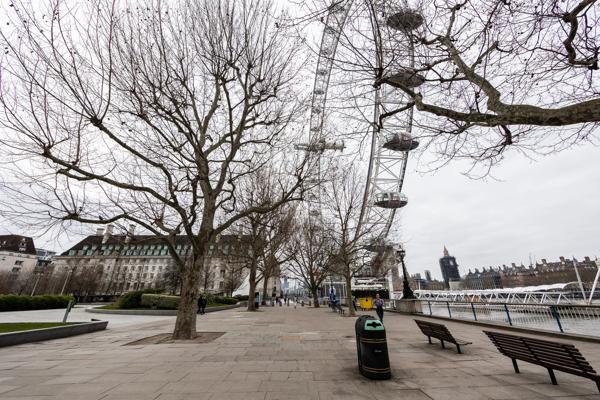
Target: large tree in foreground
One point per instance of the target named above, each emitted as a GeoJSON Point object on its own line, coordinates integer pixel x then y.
{"type": "Point", "coordinates": [149, 114]}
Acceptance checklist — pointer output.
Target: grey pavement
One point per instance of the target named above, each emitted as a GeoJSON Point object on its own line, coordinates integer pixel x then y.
{"type": "Point", "coordinates": [276, 353]}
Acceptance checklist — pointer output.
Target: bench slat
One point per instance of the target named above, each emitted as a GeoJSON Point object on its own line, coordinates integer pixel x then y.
{"type": "Point", "coordinates": [552, 355]}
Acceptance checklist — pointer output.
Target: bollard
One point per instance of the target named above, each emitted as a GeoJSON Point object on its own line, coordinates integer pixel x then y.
{"type": "Point", "coordinates": [67, 311]}
{"type": "Point", "coordinates": [507, 314]}
{"type": "Point", "coordinates": [474, 313]}
{"type": "Point", "coordinates": [556, 315]}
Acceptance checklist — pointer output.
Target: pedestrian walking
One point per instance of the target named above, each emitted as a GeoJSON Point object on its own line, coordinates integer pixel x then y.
{"type": "Point", "coordinates": [202, 304]}
{"type": "Point", "coordinates": [379, 304]}
{"type": "Point", "coordinates": [354, 303]}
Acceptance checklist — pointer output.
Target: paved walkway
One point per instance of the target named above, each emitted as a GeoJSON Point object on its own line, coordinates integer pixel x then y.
{"type": "Point", "coordinates": [277, 353]}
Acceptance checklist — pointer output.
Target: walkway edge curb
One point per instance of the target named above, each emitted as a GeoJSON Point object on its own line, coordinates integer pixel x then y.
{"type": "Point", "coordinates": [95, 310]}
{"type": "Point", "coordinates": [37, 335]}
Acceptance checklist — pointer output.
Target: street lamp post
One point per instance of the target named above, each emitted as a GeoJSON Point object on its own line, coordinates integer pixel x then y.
{"type": "Point", "coordinates": [407, 292]}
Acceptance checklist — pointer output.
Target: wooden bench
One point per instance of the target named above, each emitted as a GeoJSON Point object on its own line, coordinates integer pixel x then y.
{"type": "Point", "coordinates": [551, 355]}
{"type": "Point", "coordinates": [439, 331]}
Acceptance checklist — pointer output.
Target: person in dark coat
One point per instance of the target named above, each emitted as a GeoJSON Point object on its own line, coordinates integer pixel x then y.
{"type": "Point", "coordinates": [201, 304]}
{"type": "Point", "coordinates": [379, 304]}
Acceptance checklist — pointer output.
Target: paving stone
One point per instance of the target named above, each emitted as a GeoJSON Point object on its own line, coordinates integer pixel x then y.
{"type": "Point", "coordinates": [277, 353]}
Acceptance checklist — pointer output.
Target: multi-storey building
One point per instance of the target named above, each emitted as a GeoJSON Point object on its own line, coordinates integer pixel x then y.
{"type": "Point", "coordinates": [17, 254]}
{"type": "Point", "coordinates": [486, 279]}
{"type": "Point", "coordinates": [544, 273]}
{"type": "Point", "coordinates": [111, 264]}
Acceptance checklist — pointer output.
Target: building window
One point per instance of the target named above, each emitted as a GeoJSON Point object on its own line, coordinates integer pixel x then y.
{"type": "Point", "coordinates": [19, 262]}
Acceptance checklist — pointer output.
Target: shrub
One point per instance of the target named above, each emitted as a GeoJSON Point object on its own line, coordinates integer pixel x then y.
{"type": "Point", "coordinates": [160, 301]}
{"type": "Point", "coordinates": [134, 299]}
{"type": "Point", "coordinates": [225, 300]}
{"type": "Point", "coordinates": [241, 297]}
{"type": "Point", "coordinates": [20, 303]}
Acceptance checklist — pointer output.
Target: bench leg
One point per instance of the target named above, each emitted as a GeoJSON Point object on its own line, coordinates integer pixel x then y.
{"type": "Point", "coordinates": [429, 338]}
{"type": "Point", "coordinates": [515, 366]}
{"type": "Point", "coordinates": [443, 346]}
{"type": "Point", "coordinates": [598, 384]}
{"type": "Point", "coordinates": [552, 377]}
{"type": "Point", "coordinates": [458, 349]}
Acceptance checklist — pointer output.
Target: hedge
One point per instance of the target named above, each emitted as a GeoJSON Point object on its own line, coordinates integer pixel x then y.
{"type": "Point", "coordinates": [160, 301]}
{"type": "Point", "coordinates": [241, 297]}
{"type": "Point", "coordinates": [225, 300]}
{"type": "Point", "coordinates": [134, 299]}
{"type": "Point", "coordinates": [20, 303]}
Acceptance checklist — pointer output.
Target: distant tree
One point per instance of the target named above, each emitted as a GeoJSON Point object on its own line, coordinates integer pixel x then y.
{"type": "Point", "coordinates": [343, 200]}
{"type": "Point", "coordinates": [310, 257]}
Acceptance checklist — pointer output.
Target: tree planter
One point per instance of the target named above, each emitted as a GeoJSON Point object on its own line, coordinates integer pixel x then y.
{"type": "Point", "coordinates": [36, 335]}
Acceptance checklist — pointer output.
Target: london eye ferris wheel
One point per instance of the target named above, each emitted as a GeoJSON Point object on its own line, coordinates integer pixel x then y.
{"type": "Point", "coordinates": [367, 42]}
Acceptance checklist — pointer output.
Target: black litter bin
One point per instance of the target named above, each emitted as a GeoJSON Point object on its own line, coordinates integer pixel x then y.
{"type": "Point", "coordinates": [371, 348]}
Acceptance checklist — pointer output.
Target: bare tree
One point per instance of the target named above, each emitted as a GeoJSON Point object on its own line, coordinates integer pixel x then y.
{"type": "Point", "coordinates": [234, 275]}
{"type": "Point", "coordinates": [277, 234]}
{"type": "Point", "coordinates": [348, 236]}
{"type": "Point", "coordinates": [310, 257]}
{"type": "Point", "coordinates": [150, 114]}
{"type": "Point", "coordinates": [267, 232]}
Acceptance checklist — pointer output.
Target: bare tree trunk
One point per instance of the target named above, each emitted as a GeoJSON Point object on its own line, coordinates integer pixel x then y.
{"type": "Point", "coordinates": [315, 295]}
{"type": "Point", "coordinates": [185, 325]}
{"type": "Point", "coordinates": [252, 290]}
{"type": "Point", "coordinates": [351, 312]}
{"type": "Point", "coordinates": [265, 289]}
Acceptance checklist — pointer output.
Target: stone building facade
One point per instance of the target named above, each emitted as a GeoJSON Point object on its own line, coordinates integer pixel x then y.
{"type": "Point", "coordinates": [17, 254]}
{"type": "Point", "coordinates": [108, 264]}
{"type": "Point", "coordinates": [544, 273]}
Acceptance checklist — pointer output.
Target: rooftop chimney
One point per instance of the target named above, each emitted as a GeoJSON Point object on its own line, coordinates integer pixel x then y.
{"type": "Point", "coordinates": [130, 232]}
{"type": "Point", "coordinates": [99, 231]}
{"type": "Point", "coordinates": [107, 233]}
{"type": "Point", "coordinates": [587, 259]}
{"type": "Point", "coordinates": [562, 259]}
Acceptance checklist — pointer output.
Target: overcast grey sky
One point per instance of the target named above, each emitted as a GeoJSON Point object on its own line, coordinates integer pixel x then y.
{"type": "Point", "coordinates": [547, 208]}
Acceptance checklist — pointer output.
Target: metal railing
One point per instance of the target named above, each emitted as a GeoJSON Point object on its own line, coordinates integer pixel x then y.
{"type": "Point", "coordinates": [578, 319]}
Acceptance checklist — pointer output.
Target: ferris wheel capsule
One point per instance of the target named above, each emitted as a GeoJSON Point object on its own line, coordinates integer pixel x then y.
{"type": "Point", "coordinates": [402, 142]}
{"type": "Point", "coordinates": [390, 200]}
{"type": "Point", "coordinates": [405, 20]}
{"type": "Point", "coordinates": [407, 77]}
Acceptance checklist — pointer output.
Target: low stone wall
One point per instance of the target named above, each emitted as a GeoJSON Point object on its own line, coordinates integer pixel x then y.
{"type": "Point", "coordinates": [36, 335]}
{"type": "Point", "coordinates": [96, 310]}
{"type": "Point", "coordinates": [407, 307]}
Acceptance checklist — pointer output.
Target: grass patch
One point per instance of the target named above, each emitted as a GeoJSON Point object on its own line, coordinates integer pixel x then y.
{"type": "Point", "coordinates": [6, 327]}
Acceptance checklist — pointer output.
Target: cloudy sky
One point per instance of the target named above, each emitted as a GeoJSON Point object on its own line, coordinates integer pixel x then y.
{"type": "Point", "coordinates": [546, 209]}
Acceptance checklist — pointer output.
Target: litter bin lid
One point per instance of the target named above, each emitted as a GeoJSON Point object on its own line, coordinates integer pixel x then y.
{"type": "Point", "coordinates": [373, 325]}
